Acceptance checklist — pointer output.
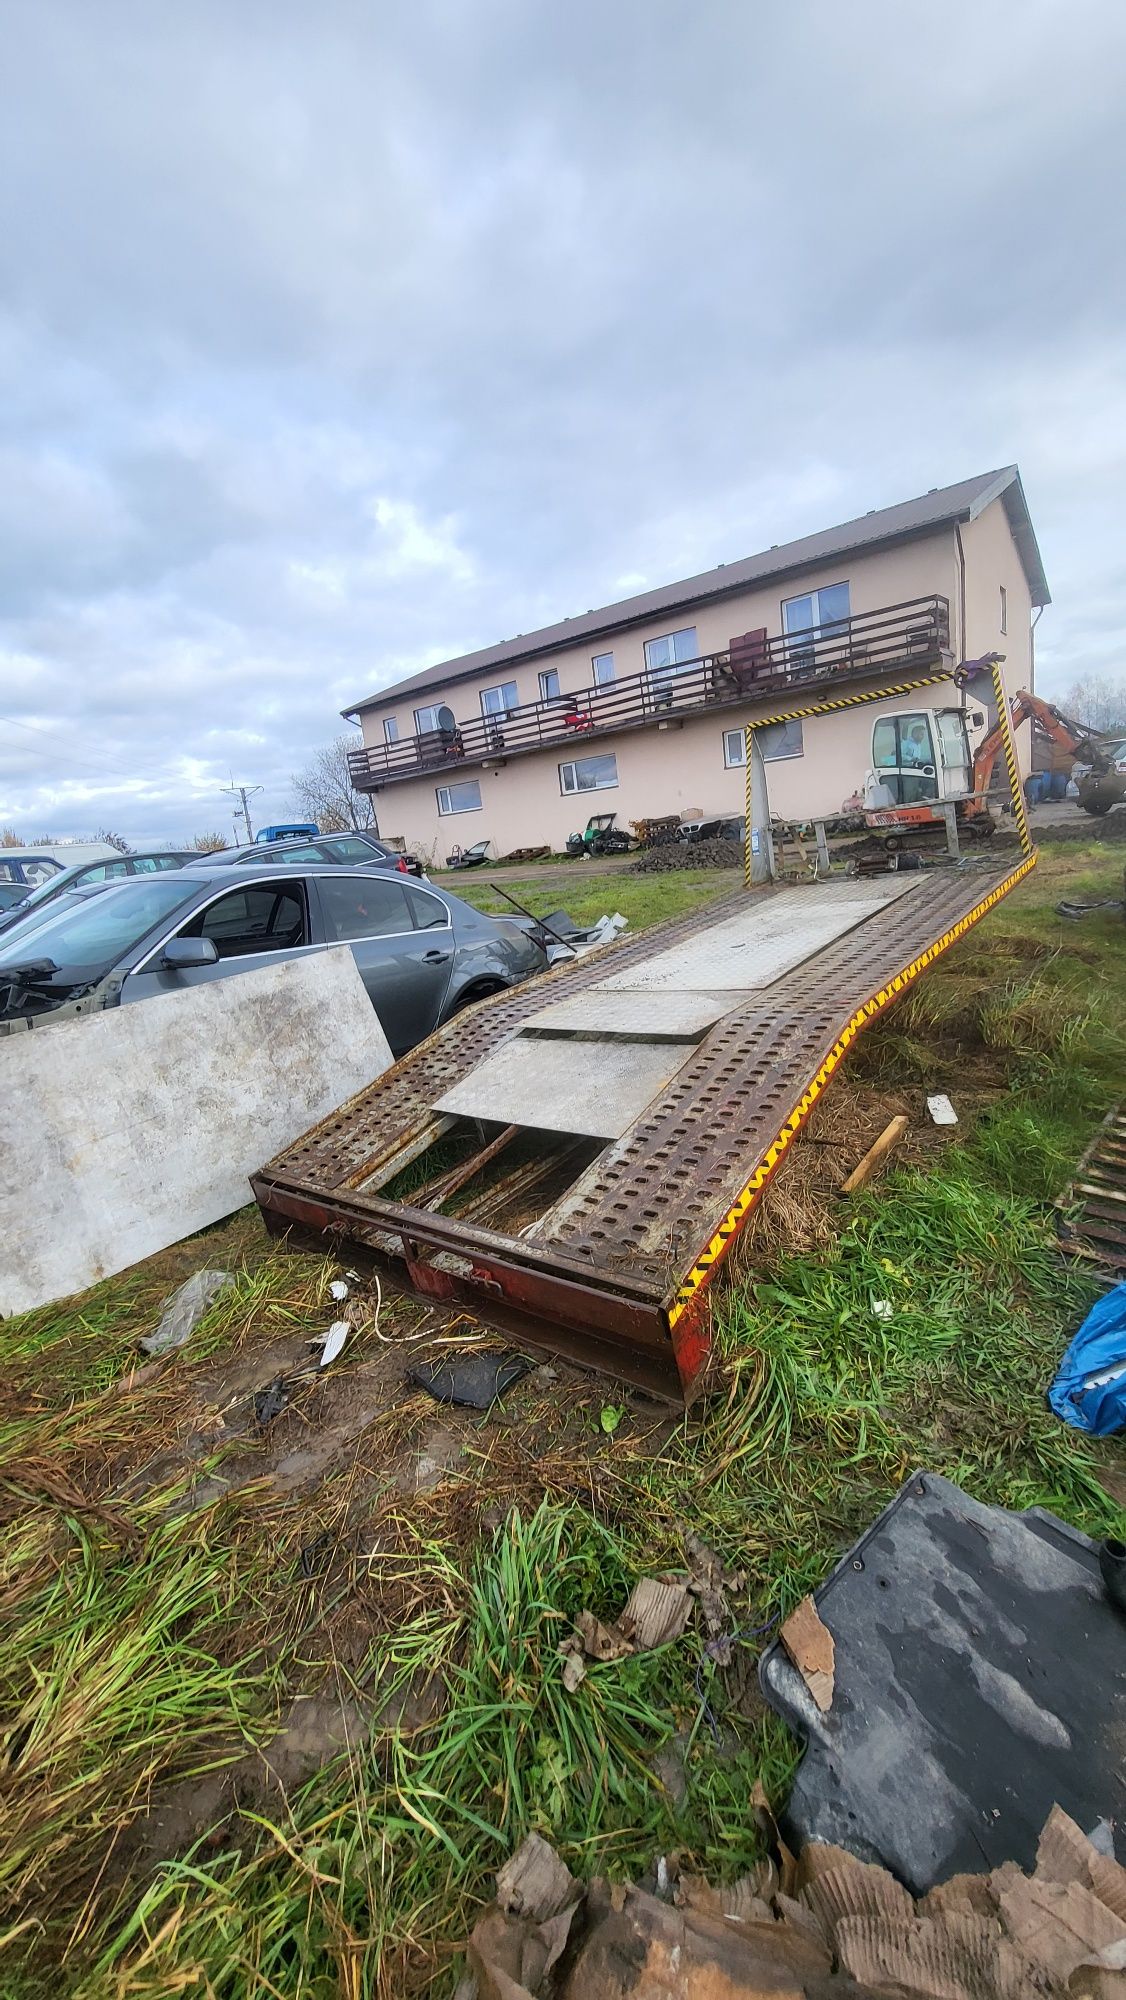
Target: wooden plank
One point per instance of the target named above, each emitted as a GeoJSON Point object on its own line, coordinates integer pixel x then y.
{"type": "Point", "coordinates": [889, 1137]}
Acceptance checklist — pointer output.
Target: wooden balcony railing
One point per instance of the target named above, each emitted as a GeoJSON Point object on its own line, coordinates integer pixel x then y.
{"type": "Point", "coordinates": [756, 668]}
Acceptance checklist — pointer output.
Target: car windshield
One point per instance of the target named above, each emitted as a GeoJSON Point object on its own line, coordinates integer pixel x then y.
{"type": "Point", "coordinates": [89, 938]}
{"type": "Point", "coordinates": [45, 890]}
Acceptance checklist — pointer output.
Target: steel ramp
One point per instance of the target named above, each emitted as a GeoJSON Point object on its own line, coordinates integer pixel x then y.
{"type": "Point", "coordinates": [603, 1250]}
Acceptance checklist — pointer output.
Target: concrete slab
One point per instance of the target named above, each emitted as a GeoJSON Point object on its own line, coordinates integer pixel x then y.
{"type": "Point", "coordinates": [752, 950]}
{"type": "Point", "coordinates": [131, 1129]}
{"type": "Point", "coordinates": [595, 1089]}
{"type": "Point", "coordinates": [647, 1017]}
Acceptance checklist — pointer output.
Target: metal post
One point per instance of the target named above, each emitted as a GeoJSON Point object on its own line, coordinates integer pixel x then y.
{"type": "Point", "coordinates": [758, 847]}
{"type": "Point", "coordinates": [950, 815]}
{"type": "Point", "coordinates": [822, 846]}
{"type": "Point", "coordinates": [1016, 792]}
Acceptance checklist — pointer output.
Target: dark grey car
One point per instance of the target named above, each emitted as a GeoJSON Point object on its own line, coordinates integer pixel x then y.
{"type": "Point", "coordinates": [421, 954]}
{"type": "Point", "coordinates": [112, 868]}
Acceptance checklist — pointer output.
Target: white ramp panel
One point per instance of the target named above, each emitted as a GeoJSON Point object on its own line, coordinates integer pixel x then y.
{"type": "Point", "coordinates": [131, 1129]}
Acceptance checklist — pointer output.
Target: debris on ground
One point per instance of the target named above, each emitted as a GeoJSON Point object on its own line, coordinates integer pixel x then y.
{"type": "Point", "coordinates": [823, 1925]}
{"type": "Point", "coordinates": [184, 1310]}
{"type": "Point", "coordinates": [890, 1136]}
{"type": "Point", "coordinates": [655, 1613]}
{"type": "Point", "coordinates": [1092, 1210]}
{"type": "Point", "coordinates": [977, 1655]}
{"type": "Point", "coordinates": [809, 1643]}
{"type": "Point", "coordinates": [709, 1582]}
{"type": "Point", "coordinates": [476, 1381]}
{"type": "Point", "coordinates": [270, 1402]}
{"type": "Point", "coordinates": [334, 1340]}
{"type": "Point", "coordinates": [694, 854]}
{"type": "Point", "coordinates": [940, 1110]}
{"type": "Point", "coordinates": [338, 1290]}
{"type": "Point", "coordinates": [1089, 1391]}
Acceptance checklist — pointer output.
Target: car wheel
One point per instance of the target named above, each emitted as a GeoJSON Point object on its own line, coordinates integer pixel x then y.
{"type": "Point", "coordinates": [484, 990]}
{"type": "Point", "coordinates": [1096, 807]}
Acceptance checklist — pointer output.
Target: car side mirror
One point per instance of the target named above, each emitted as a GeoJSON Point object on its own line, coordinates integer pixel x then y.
{"type": "Point", "coordinates": [183, 953]}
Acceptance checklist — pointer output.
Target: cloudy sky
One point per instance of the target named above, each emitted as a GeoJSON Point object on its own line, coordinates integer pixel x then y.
{"type": "Point", "coordinates": [337, 339]}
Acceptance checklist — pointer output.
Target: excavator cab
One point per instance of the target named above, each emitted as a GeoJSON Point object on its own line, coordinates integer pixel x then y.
{"type": "Point", "coordinates": [919, 757]}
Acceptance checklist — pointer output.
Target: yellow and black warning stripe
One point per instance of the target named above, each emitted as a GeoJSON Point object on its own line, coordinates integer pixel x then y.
{"type": "Point", "coordinates": [1016, 789]}
{"type": "Point", "coordinates": [733, 1221]}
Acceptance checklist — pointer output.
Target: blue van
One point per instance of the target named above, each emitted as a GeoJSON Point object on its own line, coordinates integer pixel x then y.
{"type": "Point", "coordinates": [301, 829]}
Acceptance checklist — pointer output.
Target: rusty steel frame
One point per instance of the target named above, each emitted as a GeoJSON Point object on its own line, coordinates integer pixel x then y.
{"type": "Point", "coordinates": [616, 1273]}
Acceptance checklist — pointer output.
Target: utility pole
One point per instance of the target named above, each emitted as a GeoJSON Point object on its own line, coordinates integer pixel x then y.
{"type": "Point", "coordinates": [244, 793]}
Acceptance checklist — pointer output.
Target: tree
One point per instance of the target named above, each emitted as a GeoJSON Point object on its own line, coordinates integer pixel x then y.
{"type": "Point", "coordinates": [209, 843]}
{"type": "Point", "coordinates": [114, 840]}
{"type": "Point", "coordinates": [323, 792]}
{"type": "Point", "coordinates": [1097, 702]}
{"type": "Point", "coordinates": [9, 837]}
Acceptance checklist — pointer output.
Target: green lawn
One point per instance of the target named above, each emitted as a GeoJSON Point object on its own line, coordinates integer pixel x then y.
{"type": "Point", "coordinates": [644, 899]}
{"type": "Point", "coordinates": [143, 1651]}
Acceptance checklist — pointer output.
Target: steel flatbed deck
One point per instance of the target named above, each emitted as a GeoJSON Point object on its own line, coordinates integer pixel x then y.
{"type": "Point", "coordinates": [600, 1242]}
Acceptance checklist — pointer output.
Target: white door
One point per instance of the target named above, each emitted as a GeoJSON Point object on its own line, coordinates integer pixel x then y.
{"type": "Point", "coordinates": [954, 753]}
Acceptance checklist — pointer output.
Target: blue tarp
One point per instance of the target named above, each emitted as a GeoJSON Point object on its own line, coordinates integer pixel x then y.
{"type": "Point", "coordinates": [1090, 1389]}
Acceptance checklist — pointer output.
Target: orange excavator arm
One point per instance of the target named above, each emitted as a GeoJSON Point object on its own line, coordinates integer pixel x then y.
{"type": "Point", "coordinates": [1024, 706]}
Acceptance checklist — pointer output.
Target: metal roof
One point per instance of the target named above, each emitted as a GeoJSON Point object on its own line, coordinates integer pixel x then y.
{"type": "Point", "coordinates": [936, 509]}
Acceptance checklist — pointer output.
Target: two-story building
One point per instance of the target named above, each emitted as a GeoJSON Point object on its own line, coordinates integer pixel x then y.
{"type": "Point", "coordinates": [639, 708]}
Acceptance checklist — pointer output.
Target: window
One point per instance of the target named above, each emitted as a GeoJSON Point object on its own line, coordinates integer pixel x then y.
{"type": "Point", "coordinates": [777, 740]}
{"type": "Point", "coordinates": [95, 935]}
{"type": "Point", "coordinates": [1004, 609]}
{"type": "Point", "coordinates": [589, 774]}
{"type": "Point", "coordinates": [550, 689]}
{"type": "Point", "coordinates": [300, 851]}
{"type": "Point", "coordinates": [169, 861]}
{"type": "Point", "coordinates": [103, 871]}
{"type": "Point", "coordinates": [145, 864]}
{"type": "Point", "coordinates": [267, 916]}
{"type": "Point", "coordinates": [464, 798]}
{"type": "Point", "coordinates": [345, 848]}
{"type": "Point", "coordinates": [820, 614]}
{"type": "Point", "coordinates": [903, 754]}
{"type": "Point", "coordinates": [499, 702]}
{"type": "Point", "coordinates": [668, 656]}
{"type": "Point", "coordinates": [391, 728]}
{"type": "Point", "coordinates": [428, 912]}
{"type": "Point", "coordinates": [360, 906]}
{"type": "Point", "coordinates": [426, 720]}
{"type": "Point", "coordinates": [602, 667]}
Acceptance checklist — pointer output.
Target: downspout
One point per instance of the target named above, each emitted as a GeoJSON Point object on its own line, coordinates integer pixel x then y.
{"type": "Point", "coordinates": [960, 648]}
{"type": "Point", "coordinates": [1032, 649]}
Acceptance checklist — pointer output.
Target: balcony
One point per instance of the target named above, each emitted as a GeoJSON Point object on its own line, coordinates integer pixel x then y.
{"type": "Point", "coordinates": [757, 668]}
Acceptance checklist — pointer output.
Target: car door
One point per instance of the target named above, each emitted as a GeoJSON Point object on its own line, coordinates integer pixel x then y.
{"type": "Point", "coordinates": [405, 954]}
{"type": "Point", "coordinates": [251, 925]}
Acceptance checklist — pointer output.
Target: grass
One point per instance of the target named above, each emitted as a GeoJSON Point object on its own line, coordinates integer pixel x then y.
{"type": "Point", "coordinates": [644, 899]}
{"type": "Point", "coordinates": [140, 1648]}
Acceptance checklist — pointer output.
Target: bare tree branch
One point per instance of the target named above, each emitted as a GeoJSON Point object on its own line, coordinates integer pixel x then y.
{"type": "Point", "coordinates": [323, 791]}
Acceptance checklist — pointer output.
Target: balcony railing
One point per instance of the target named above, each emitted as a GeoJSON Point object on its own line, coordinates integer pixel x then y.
{"type": "Point", "coordinates": [756, 668]}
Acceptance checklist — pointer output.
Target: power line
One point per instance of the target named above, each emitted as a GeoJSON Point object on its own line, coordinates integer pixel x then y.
{"type": "Point", "coordinates": [83, 763]}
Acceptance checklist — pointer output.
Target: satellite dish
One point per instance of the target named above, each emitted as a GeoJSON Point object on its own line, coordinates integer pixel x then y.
{"type": "Point", "coordinates": [446, 722]}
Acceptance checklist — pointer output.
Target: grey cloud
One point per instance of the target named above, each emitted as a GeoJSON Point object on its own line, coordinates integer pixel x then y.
{"type": "Point", "coordinates": [335, 340]}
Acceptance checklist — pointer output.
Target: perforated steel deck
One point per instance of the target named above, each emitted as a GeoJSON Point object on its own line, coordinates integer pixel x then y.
{"type": "Point", "coordinates": [615, 1272]}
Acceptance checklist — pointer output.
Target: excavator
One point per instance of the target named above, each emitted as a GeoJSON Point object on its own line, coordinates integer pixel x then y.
{"type": "Point", "coordinates": [924, 759]}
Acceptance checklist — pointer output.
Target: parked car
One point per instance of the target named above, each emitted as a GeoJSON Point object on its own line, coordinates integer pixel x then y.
{"type": "Point", "coordinates": [11, 892]}
{"type": "Point", "coordinates": [25, 871]}
{"type": "Point", "coordinates": [350, 850]}
{"type": "Point", "coordinates": [421, 955]}
{"type": "Point", "coordinates": [115, 869]}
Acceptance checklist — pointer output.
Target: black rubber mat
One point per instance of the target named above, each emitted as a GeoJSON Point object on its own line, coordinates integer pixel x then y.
{"type": "Point", "coordinates": [980, 1679]}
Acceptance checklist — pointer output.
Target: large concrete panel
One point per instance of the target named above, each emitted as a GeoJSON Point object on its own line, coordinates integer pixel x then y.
{"type": "Point", "coordinates": [126, 1131]}
{"type": "Point", "coordinates": [753, 949]}
{"type": "Point", "coordinates": [641, 1017]}
{"type": "Point", "coordinates": [596, 1089]}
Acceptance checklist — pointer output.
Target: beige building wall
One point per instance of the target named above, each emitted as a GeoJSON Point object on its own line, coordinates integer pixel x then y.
{"type": "Point", "coordinates": [673, 770]}
{"type": "Point", "coordinates": [680, 767]}
{"type": "Point", "coordinates": [889, 576]}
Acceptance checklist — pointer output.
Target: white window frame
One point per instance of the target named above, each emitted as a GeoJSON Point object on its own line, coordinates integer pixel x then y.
{"type": "Point", "coordinates": [804, 638]}
{"type": "Point", "coordinates": [570, 769]}
{"type": "Point", "coordinates": [546, 694]}
{"type": "Point", "coordinates": [499, 710]}
{"type": "Point", "coordinates": [431, 729]}
{"type": "Point", "coordinates": [602, 670]}
{"type": "Point", "coordinates": [735, 746]}
{"type": "Point", "coordinates": [1004, 609]}
{"type": "Point", "coordinates": [449, 810]}
{"type": "Point", "coordinates": [390, 729]}
{"type": "Point", "coordinates": [663, 671]}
